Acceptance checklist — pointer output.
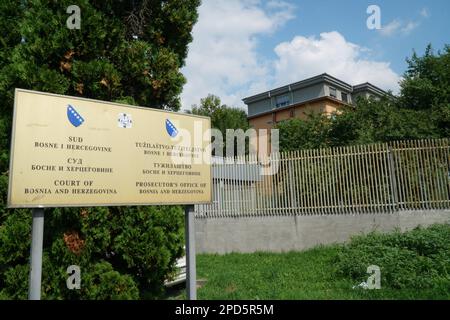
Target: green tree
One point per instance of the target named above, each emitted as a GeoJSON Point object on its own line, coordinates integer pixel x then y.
{"type": "Point", "coordinates": [222, 116]}
{"type": "Point", "coordinates": [373, 120]}
{"type": "Point", "coordinates": [426, 87]}
{"type": "Point", "coordinates": [125, 51]}
{"type": "Point", "coordinates": [369, 121]}
{"type": "Point", "coordinates": [314, 132]}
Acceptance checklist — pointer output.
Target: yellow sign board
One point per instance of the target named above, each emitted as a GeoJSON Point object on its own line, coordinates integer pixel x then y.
{"type": "Point", "coordinates": [69, 151]}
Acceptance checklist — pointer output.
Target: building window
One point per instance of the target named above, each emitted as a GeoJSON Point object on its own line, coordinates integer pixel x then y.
{"type": "Point", "coordinates": [332, 92]}
{"type": "Point", "coordinates": [282, 101]}
{"type": "Point", "coordinates": [344, 97]}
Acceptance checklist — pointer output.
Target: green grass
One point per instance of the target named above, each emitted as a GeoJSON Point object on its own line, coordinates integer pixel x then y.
{"type": "Point", "coordinates": [294, 275]}
{"type": "Point", "coordinates": [316, 273]}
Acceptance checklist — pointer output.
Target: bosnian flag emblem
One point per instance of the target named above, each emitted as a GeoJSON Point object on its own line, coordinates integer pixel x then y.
{"type": "Point", "coordinates": [171, 130]}
{"type": "Point", "coordinates": [74, 117]}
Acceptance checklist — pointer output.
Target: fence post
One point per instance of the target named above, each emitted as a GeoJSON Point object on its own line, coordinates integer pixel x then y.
{"type": "Point", "coordinates": [392, 178]}
{"type": "Point", "coordinates": [292, 181]}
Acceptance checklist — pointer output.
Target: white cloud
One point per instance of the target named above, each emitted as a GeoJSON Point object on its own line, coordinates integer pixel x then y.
{"type": "Point", "coordinates": [398, 26]}
{"type": "Point", "coordinates": [222, 58]}
{"type": "Point", "coordinates": [391, 28]}
{"type": "Point", "coordinates": [331, 53]}
{"type": "Point", "coordinates": [425, 13]}
{"type": "Point", "coordinates": [410, 26]}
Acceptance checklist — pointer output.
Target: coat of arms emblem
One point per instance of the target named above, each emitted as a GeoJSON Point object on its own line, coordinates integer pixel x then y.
{"type": "Point", "coordinates": [124, 121]}
{"type": "Point", "coordinates": [74, 117]}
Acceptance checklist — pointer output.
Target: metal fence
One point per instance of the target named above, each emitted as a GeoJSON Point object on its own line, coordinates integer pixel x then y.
{"type": "Point", "coordinates": [402, 175]}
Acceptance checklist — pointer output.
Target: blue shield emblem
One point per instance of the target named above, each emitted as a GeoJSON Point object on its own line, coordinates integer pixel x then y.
{"type": "Point", "coordinates": [170, 128]}
{"type": "Point", "coordinates": [74, 117]}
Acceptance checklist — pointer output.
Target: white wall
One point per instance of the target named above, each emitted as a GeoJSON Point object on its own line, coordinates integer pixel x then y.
{"type": "Point", "coordinates": [286, 233]}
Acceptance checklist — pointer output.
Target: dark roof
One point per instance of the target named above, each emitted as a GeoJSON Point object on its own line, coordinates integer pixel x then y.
{"type": "Point", "coordinates": [368, 87]}
{"type": "Point", "coordinates": [324, 77]}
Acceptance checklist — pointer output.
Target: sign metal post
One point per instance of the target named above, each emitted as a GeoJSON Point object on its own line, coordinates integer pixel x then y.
{"type": "Point", "coordinates": [34, 291]}
{"type": "Point", "coordinates": [191, 277]}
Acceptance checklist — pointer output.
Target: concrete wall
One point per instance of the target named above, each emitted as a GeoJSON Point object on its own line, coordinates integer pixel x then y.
{"type": "Point", "coordinates": [287, 233]}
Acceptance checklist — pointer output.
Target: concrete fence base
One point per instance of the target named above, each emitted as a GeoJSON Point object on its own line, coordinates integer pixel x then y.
{"type": "Point", "coordinates": [286, 233]}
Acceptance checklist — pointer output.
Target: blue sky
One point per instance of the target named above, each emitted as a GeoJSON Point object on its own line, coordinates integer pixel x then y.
{"type": "Point", "coordinates": [244, 47]}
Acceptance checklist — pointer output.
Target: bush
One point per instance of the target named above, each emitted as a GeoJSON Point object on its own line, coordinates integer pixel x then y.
{"type": "Point", "coordinates": [123, 253]}
{"type": "Point", "coordinates": [113, 284]}
{"type": "Point", "coordinates": [418, 259]}
{"type": "Point", "coordinates": [126, 252]}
